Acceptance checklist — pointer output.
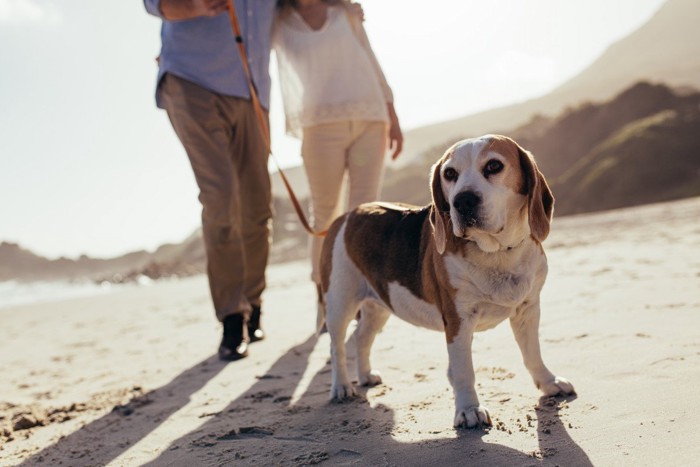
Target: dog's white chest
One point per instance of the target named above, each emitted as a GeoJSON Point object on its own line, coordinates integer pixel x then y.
{"type": "Point", "coordinates": [505, 287]}
{"type": "Point", "coordinates": [410, 308]}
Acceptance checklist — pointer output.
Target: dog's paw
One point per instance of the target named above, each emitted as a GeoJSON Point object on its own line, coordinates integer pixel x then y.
{"type": "Point", "coordinates": [341, 392]}
{"type": "Point", "coordinates": [472, 417]}
{"type": "Point", "coordinates": [558, 386]}
{"type": "Point", "coordinates": [371, 378]}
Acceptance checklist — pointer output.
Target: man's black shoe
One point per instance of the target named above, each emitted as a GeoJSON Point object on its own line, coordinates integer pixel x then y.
{"type": "Point", "coordinates": [234, 344]}
{"type": "Point", "coordinates": [254, 328]}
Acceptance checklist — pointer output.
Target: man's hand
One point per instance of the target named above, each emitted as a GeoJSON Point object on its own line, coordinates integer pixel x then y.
{"type": "Point", "coordinates": [174, 10]}
{"type": "Point", "coordinates": [357, 11]}
{"type": "Point", "coordinates": [209, 7]}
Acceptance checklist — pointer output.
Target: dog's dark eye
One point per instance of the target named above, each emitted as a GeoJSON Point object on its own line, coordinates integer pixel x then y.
{"type": "Point", "coordinates": [450, 174]}
{"type": "Point", "coordinates": [493, 167]}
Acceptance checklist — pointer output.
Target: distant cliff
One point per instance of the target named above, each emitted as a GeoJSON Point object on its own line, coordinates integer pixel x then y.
{"type": "Point", "coordinates": [20, 264]}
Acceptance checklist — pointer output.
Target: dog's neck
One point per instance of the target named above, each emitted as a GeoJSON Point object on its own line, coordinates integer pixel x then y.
{"type": "Point", "coordinates": [519, 233]}
{"type": "Point", "coordinates": [513, 247]}
{"type": "Point", "coordinates": [490, 244]}
{"type": "Point", "coordinates": [512, 237]}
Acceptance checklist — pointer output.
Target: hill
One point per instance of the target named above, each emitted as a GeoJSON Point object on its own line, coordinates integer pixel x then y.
{"type": "Point", "coordinates": [17, 263]}
{"type": "Point", "coordinates": [640, 147]}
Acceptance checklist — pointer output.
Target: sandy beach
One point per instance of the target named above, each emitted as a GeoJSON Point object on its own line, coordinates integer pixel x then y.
{"type": "Point", "coordinates": [131, 377]}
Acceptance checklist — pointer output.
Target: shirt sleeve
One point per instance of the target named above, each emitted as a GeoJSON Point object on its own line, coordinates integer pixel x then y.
{"type": "Point", "coordinates": [153, 7]}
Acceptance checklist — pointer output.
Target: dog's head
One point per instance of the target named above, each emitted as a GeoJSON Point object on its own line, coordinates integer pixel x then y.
{"type": "Point", "coordinates": [490, 191]}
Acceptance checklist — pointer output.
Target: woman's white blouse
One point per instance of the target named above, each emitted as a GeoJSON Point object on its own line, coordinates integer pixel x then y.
{"type": "Point", "coordinates": [329, 74]}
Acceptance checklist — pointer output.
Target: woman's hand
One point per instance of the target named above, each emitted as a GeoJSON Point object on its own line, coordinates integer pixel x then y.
{"type": "Point", "coordinates": [395, 133]}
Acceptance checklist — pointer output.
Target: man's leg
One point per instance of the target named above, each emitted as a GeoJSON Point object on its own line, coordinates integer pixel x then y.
{"type": "Point", "coordinates": [250, 155]}
{"type": "Point", "coordinates": [206, 133]}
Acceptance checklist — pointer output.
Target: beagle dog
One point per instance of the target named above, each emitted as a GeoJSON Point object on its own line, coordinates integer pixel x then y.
{"type": "Point", "coordinates": [464, 263]}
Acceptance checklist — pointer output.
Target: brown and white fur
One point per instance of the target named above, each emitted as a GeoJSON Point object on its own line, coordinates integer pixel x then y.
{"type": "Point", "coordinates": [464, 263]}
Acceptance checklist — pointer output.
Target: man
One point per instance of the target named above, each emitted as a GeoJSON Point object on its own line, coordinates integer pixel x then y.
{"type": "Point", "coordinates": [203, 87]}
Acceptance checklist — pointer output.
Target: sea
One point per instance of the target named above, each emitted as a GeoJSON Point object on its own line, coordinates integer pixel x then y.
{"type": "Point", "coordinates": [14, 293]}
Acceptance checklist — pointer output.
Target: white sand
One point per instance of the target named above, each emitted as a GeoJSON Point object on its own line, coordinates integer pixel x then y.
{"type": "Point", "coordinates": [131, 378]}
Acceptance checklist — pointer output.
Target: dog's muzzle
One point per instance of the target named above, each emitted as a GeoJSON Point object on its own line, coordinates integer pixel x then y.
{"type": "Point", "coordinates": [467, 204]}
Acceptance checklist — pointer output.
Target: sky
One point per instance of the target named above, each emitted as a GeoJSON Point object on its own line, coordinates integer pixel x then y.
{"type": "Point", "coordinates": [89, 165]}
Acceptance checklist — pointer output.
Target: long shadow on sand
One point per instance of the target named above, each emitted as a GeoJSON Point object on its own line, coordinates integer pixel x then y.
{"type": "Point", "coordinates": [262, 428]}
{"type": "Point", "coordinates": [104, 439]}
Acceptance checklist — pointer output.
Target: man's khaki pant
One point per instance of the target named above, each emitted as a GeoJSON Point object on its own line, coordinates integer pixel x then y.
{"type": "Point", "coordinates": [229, 159]}
{"type": "Point", "coordinates": [330, 151]}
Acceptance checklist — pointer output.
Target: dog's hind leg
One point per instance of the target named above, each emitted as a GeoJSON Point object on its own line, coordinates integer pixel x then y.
{"type": "Point", "coordinates": [341, 306]}
{"type": "Point", "coordinates": [320, 312]}
{"type": "Point", "coordinates": [374, 316]}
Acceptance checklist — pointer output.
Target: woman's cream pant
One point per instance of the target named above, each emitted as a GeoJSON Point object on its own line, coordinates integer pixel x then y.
{"type": "Point", "coordinates": [331, 150]}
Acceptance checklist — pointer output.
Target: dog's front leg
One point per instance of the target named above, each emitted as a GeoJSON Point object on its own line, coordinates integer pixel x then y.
{"type": "Point", "coordinates": [525, 324]}
{"type": "Point", "coordinates": [468, 412]}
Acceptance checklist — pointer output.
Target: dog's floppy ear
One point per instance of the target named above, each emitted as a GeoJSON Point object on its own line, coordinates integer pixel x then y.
{"type": "Point", "coordinates": [539, 197]}
{"type": "Point", "coordinates": [439, 207]}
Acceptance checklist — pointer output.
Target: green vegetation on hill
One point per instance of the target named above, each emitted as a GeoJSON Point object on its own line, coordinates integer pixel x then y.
{"type": "Point", "coordinates": [649, 160]}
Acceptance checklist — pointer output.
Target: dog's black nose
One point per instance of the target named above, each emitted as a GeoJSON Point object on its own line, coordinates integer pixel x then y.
{"type": "Point", "coordinates": [466, 202]}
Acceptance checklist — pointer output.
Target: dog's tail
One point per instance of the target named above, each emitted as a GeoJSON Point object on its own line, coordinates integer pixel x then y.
{"type": "Point", "coordinates": [320, 312]}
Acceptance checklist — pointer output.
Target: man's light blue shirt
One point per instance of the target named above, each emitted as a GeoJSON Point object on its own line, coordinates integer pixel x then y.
{"type": "Point", "coordinates": [203, 50]}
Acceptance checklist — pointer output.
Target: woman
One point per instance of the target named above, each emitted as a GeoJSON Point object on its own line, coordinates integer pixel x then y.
{"type": "Point", "coordinates": [337, 101]}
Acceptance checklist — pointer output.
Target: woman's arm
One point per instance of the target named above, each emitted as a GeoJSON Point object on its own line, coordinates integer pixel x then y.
{"type": "Point", "coordinates": [395, 133]}
{"type": "Point", "coordinates": [361, 34]}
